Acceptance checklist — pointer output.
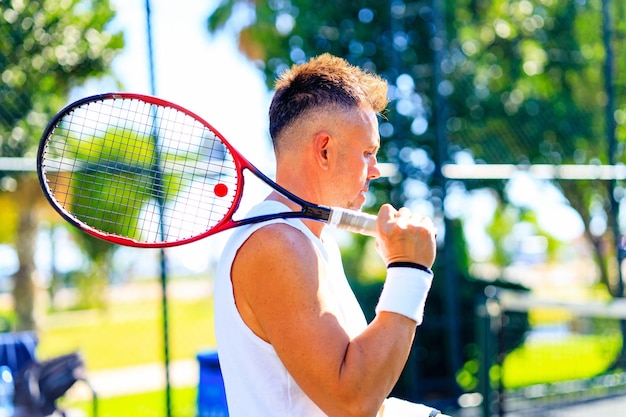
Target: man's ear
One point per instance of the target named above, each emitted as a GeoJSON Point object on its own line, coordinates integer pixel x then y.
{"type": "Point", "coordinates": [322, 144]}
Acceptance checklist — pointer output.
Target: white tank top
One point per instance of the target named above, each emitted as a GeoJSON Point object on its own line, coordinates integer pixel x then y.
{"type": "Point", "coordinates": [257, 384]}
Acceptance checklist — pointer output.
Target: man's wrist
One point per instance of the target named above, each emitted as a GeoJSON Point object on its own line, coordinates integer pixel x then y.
{"type": "Point", "coordinates": [405, 291]}
{"type": "Point", "coordinates": [413, 265]}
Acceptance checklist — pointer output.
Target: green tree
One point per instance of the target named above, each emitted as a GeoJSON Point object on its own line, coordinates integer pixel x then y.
{"type": "Point", "coordinates": [528, 87]}
{"type": "Point", "coordinates": [46, 49]}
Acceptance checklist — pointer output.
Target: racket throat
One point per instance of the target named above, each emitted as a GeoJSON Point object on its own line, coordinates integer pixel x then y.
{"type": "Point", "coordinates": [317, 213]}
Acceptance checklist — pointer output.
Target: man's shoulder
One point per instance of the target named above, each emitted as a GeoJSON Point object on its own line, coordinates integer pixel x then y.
{"type": "Point", "coordinates": [281, 237]}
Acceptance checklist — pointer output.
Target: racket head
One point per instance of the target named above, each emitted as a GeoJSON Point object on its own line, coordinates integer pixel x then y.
{"type": "Point", "coordinates": [139, 171]}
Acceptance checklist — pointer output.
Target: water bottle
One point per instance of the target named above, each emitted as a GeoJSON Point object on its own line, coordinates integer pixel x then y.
{"type": "Point", "coordinates": [6, 392]}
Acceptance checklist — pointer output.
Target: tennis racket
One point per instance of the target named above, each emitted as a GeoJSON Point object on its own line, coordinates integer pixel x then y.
{"type": "Point", "coordinates": [139, 171]}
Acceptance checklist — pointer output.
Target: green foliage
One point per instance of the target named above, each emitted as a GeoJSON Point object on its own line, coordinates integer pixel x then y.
{"type": "Point", "coordinates": [111, 199]}
{"type": "Point", "coordinates": [7, 320]}
{"type": "Point", "coordinates": [8, 214]}
{"type": "Point", "coordinates": [118, 173]}
{"type": "Point", "coordinates": [91, 286]}
{"type": "Point", "coordinates": [529, 86]}
{"type": "Point", "coordinates": [46, 48]}
{"type": "Point", "coordinates": [526, 86]}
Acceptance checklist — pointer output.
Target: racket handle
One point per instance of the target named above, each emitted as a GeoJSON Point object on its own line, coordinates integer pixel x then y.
{"type": "Point", "coordinates": [353, 221]}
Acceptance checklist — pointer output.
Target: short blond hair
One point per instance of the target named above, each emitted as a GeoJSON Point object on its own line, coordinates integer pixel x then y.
{"type": "Point", "coordinates": [324, 81]}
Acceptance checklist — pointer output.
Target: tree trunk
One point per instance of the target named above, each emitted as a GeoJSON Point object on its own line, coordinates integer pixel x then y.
{"type": "Point", "coordinates": [24, 281]}
{"type": "Point", "coordinates": [578, 194]}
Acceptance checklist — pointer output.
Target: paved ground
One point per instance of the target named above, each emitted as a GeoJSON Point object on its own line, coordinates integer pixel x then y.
{"type": "Point", "coordinates": [137, 379]}
{"type": "Point", "coordinates": [605, 407]}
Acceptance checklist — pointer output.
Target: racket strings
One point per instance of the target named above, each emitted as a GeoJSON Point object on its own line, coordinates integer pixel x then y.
{"type": "Point", "coordinates": [139, 170]}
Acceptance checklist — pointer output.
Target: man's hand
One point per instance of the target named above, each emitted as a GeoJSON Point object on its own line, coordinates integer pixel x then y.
{"type": "Point", "coordinates": [405, 237]}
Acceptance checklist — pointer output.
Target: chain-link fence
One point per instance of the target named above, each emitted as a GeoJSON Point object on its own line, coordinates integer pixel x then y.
{"type": "Point", "coordinates": [521, 82]}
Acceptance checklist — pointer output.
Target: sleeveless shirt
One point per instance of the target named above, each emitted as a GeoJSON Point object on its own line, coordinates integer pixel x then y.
{"type": "Point", "coordinates": [257, 384]}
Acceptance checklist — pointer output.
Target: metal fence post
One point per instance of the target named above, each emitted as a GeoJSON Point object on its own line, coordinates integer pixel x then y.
{"type": "Point", "coordinates": [488, 324]}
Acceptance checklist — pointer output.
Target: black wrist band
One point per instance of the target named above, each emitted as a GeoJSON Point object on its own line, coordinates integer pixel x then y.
{"type": "Point", "coordinates": [413, 265]}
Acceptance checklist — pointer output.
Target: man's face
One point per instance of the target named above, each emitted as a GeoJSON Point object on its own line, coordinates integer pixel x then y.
{"type": "Point", "coordinates": [359, 142]}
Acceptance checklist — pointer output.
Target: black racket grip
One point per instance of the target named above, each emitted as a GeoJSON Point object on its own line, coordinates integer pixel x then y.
{"type": "Point", "coordinates": [353, 221]}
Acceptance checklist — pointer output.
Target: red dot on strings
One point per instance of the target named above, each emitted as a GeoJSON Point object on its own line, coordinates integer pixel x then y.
{"type": "Point", "coordinates": [220, 190]}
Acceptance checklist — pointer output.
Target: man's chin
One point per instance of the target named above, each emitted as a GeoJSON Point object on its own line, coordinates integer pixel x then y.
{"type": "Point", "coordinates": [358, 203]}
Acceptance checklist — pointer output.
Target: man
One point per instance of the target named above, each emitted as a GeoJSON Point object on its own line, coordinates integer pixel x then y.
{"type": "Point", "coordinates": [292, 339]}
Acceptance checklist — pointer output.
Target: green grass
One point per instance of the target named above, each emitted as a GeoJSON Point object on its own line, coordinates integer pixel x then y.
{"type": "Point", "coordinates": [580, 355]}
{"type": "Point", "coordinates": [150, 404]}
{"type": "Point", "coordinates": [570, 357]}
{"type": "Point", "coordinates": [129, 334]}
{"type": "Point", "coordinates": [574, 357]}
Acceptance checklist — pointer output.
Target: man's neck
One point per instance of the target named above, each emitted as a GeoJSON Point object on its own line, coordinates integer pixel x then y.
{"type": "Point", "coordinates": [315, 226]}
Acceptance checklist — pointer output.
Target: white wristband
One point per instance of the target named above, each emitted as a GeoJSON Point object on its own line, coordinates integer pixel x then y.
{"type": "Point", "coordinates": [405, 292]}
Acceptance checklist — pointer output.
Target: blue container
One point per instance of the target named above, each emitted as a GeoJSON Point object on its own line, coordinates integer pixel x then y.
{"type": "Point", "coordinates": [211, 392]}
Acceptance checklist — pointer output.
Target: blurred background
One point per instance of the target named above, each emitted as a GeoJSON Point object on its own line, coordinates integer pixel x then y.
{"type": "Point", "coordinates": [507, 125]}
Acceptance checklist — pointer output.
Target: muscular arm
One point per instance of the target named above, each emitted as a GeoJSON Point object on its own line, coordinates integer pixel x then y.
{"type": "Point", "coordinates": [277, 285]}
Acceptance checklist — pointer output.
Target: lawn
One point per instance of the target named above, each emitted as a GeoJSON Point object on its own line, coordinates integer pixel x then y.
{"type": "Point", "coordinates": [150, 404]}
{"type": "Point", "coordinates": [128, 334]}
{"type": "Point", "coordinates": [574, 357]}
